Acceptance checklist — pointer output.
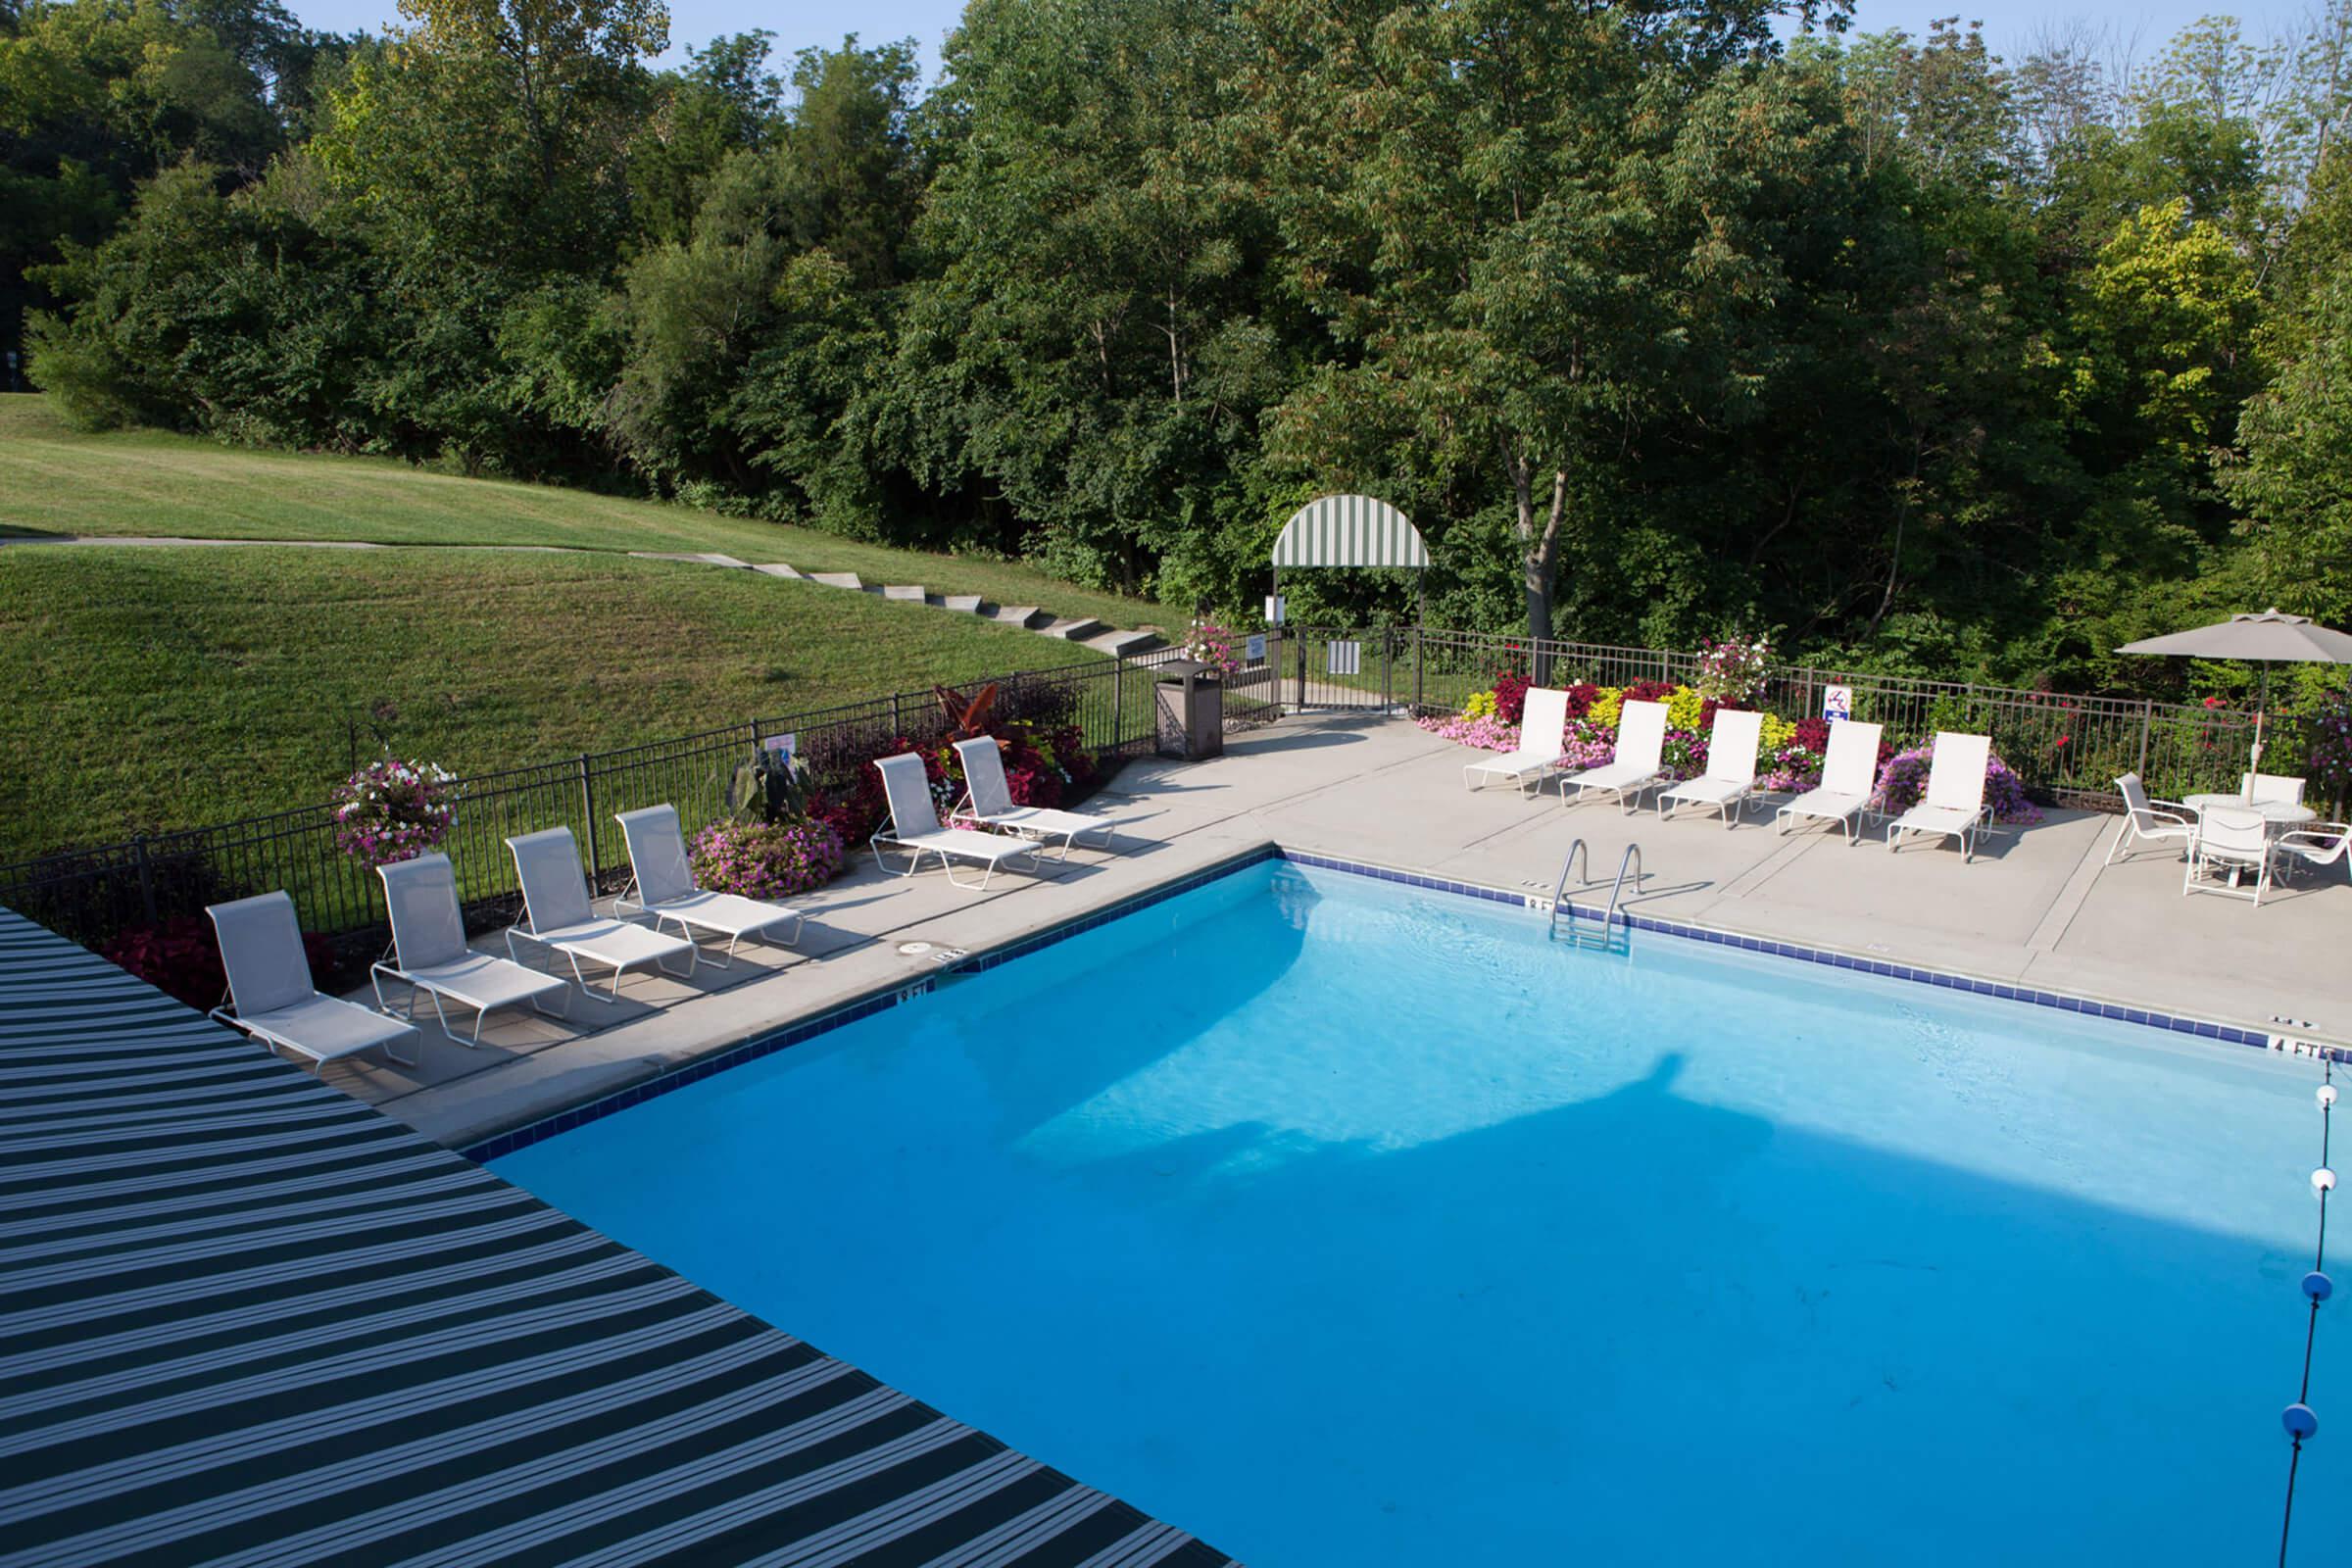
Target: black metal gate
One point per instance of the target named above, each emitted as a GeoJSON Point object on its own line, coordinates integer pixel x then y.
{"type": "Point", "coordinates": [1322, 670]}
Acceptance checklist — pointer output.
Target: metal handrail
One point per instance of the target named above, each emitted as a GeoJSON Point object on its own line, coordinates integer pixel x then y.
{"type": "Point", "coordinates": [1560, 889]}
{"type": "Point", "coordinates": [1632, 857]}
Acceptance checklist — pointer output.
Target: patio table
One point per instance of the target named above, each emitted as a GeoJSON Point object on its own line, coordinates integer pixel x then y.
{"type": "Point", "coordinates": [2277, 815]}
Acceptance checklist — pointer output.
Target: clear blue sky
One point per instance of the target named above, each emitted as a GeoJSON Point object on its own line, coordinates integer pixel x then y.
{"type": "Point", "coordinates": [2010, 25]}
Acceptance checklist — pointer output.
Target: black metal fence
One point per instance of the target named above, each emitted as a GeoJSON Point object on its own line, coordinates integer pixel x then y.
{"type": "Point", "coordinates": [2066, 747]}
{"type": "Point", "coordinates": [90, 894]}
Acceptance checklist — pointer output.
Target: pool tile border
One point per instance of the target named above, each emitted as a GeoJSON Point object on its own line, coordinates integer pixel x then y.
{"type": "Point", "coordinates": [506, 1143]}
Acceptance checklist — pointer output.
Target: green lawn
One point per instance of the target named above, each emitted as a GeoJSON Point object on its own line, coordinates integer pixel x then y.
{"type": "Point", "coordinates": [170, 687]}
{"type": "Point", "coordinates": [54, 481]}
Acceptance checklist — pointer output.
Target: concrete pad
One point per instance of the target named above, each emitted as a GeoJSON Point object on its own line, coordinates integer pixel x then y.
{"type": "Point", "coordinates": [838, 579]}
{"type": "Point", "coordinates": [1071, 631]}
{"type": "Point", "coordinates": [968, 604]}
{"type": "Point", "coordinates": [904, 591]}
{"type": "Point", "coordinates": [777, 568]}
{"type": "Point", "coordinates": [1023, 616]}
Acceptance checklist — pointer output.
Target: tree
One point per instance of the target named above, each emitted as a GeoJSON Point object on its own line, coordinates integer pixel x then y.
{"type": "Point", "coordinates": [1535, 238]}
{"type": "Point", "coordinates": [2294, 479]}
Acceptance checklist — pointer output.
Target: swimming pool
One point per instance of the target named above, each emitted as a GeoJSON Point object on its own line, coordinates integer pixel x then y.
{"type": "Point", "coordinates": [1345, 1224]}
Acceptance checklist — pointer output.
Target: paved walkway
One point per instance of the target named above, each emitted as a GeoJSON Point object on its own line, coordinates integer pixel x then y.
{"type": "Point", "coordinates": [2035, 906]}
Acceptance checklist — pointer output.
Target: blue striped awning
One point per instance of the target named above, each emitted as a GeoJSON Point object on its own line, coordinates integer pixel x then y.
{"type": "Point", "coordinates": [1350, 531]}
{"type": "Point", "coordinates": [246, 1318]}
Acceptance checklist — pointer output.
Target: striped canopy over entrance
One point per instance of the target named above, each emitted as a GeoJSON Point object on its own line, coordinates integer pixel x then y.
{"type": "Point", "coordinates": [1350, 531]}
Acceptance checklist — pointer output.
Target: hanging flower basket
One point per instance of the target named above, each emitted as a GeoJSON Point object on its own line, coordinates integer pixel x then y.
{"type": "Point", "coordinates": [393, 810]}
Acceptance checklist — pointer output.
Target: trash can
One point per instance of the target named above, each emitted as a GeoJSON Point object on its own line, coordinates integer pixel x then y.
{"type": "Point", "coordinates": [1192, 710]}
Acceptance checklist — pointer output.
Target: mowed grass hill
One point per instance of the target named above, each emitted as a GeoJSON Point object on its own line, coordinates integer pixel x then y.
{"type": "Point", "coordinates": [153, 687]}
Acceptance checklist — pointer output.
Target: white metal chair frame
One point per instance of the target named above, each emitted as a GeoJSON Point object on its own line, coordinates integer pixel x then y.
{"type": "Point", "coordinates": [914, 843]}
{"type": "Point", "coordinates": [1966, 822]}
{"type": "Point", "coordinates": [417, 980]}
{"type": "Point", "coordinates": [1541, 709]}
{"type": "Point", "coordinates": [2315, 848]}
{"type": "Point", "coordinates": [1040, 823]}
{"type": "Point", "coordinates": [275, 1040]}
{"type": "Point", "coordinates": [2146, 817]}
{"type": "Point", "coordinates": [1853, 748]}
{"type": "Point", "coordinates": [575, 949]}
{"type": "Point", "coordinates": [2235, 840]}
{"type": "Point", "coordinates": [665, 911]}
{"type": "Point", "coordinates": [1730, 726]}
{"type": "Point", "coordinates": [1627, 790]}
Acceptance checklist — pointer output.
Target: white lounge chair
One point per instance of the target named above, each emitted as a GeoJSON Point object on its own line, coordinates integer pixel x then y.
{"type": "Point", "coordinates": [271, 996]}
{"type": "Point", "coordinates": [557, 914]}
{"type": "Point", "coordinates": [2260, 789]}
{"type": "Point", "coordinates": [1731, 774]}
{"type": "Point", "coordinates": [1850, 771]}
{"type": "Point", "coordinates": [2230, 841]}
{"type": "Point", "coordinates": [2148, 820]}
{"type": "Point", "coordinates": [987, 799]}
{"type": "Point", "coordinates": [663, 882]}
{"type": "Point", "coordinates": [1543, 717]}
{"type": "Point", "coordinates": [2313, 848]}
{"type": "Point", "coordinates": [429, 952]}
{"type": "Point", "coordinates": [1954, 805]}
{"type": "Point", "coordinates": [914, 827]}
{"type": "Point", "coordinates": [1636, 764]}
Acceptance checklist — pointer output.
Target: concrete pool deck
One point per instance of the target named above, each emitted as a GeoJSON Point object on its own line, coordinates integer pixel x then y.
{"type": "Point", "coordinates": [2035, 906]}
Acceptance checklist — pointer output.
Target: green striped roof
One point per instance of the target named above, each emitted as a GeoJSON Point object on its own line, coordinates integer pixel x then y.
{"type": "Point", "coordinates": [1350, 531]}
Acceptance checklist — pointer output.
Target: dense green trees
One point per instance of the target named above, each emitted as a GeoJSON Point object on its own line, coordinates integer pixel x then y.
{"type": "Point", "coordinates": [1658, 324]}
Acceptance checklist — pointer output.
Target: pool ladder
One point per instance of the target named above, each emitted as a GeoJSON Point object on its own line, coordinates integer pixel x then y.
{"type": "Point", "coordinates": [1561, 905]}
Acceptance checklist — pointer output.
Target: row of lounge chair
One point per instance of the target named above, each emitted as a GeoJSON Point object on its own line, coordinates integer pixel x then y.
{"type": "Point", "coordinates": [1953, 806]}
{"type": "Point", "coordinates": [272, 997]}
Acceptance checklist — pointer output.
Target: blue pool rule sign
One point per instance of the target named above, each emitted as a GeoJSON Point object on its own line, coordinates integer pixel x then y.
{"type": "Point", "coordinates": [1837, 702]}
{"type": "Point", "coordinates": [1256, 650]}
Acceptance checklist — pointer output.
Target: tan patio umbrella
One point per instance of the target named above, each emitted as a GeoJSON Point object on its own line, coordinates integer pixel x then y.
{"type": "Point", "coordinates": [2269, 638]}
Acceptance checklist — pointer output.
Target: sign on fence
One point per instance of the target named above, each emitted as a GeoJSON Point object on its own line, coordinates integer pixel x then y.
{"type": "Point", "coordinates": [784, 744]}
{"type": "Point", "coordinates": [1274, 609]}
{"type": "Point", "coordinates": [1254, 651]}
{"type": "Point", "coordinates": [1837, 702]}
{"type": "Point", "coordinates": [1344, 659]}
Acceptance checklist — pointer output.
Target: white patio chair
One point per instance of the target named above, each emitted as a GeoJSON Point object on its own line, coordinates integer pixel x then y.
{"type": "Point", "coordinates": [558, 916]}
{"type": "Point", "coordinates": [1731, 767]}
{"type": "Point", "coordinates": [662, 880]}
{"type": "Point", "coordinates": [1635, 764]}
{"type": "Point", "coordinates": [2152, 820]}
{"type": "Point", "coordinates": [2230, 841]}
{"type": "Point", "coordinates": [1954, 805]}
{"type": "Point", "coordinates": [1850, 771]}
{"type": "Point", "coordinates": [987, 799]}
{"type": "Point", "coordinates": [429, 952]}
{"type": "Point", "coordinates": [915, 828]}
{"type": "Point", "coordinates": [2313, 848]}
{"type": "Point", "coordinates": [2270, 789]}
{"type": "Point", "coordinates": [271, 998]}
{"type": "Point", "coordinates": [1543, 717]}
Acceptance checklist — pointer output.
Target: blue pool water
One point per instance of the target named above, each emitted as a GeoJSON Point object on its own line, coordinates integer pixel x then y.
{"type": "Point", "coordinates": [1342, 1224]}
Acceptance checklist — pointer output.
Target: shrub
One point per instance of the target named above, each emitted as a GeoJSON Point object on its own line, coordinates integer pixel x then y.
{"type": "Point", "coordinates": [2329, 752]}
{"type": "Point", "coordinates": [1480, 706]}
{"type": "Point", "coordinates": [766, 860]}
{"type": "Point", "coordinates": [1510, 695]}
{"type": "Point", "coordinates": [392, 811]}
